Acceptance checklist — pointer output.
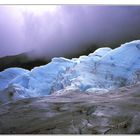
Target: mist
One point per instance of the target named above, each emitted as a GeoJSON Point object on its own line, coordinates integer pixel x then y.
{"type": "Point", "coordinates": [68, 30]}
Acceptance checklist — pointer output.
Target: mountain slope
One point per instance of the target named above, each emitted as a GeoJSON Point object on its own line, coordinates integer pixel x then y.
{"type": "Point", "coordinates": [21, 60]}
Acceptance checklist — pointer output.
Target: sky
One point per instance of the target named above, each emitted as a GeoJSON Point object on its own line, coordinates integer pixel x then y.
{"type": "Point", "coordinates": [64, 30]}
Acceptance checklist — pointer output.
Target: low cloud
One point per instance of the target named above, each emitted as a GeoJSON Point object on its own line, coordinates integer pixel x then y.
{"type": "Point", "coordinates": [67, 30]}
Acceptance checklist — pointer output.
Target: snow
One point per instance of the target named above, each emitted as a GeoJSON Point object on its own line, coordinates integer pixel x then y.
{"type": "Point", "coordinates": [98, 72]}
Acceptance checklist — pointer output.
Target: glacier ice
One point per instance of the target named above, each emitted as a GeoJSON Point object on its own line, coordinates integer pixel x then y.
{"type": "Point", "coordinates": [98, 72]}
{"type": "Point", "coordinates": [7, 75]}
{"type": "Point", "coordinates": [45, 79]}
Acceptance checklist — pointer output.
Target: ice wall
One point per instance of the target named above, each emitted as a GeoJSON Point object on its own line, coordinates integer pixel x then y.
{"type": "Point", "coordinates": [103, 69]}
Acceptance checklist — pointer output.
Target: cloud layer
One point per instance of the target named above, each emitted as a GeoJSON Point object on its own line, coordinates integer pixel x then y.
{"type": "Point", "coordinates": [66, 30]}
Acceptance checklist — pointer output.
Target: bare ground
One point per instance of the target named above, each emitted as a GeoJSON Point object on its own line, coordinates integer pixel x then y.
{"type": "Point", "coordinates": [116, 112]}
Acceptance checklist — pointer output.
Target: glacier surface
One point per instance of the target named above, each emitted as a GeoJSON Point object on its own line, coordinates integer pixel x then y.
{"type": "Point", "coordinates": [103, 70]}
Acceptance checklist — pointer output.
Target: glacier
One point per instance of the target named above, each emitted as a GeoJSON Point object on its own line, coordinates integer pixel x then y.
{"type": "Point", "coordinates": [103, 70]}
{"type": "Point", "coordinates": [7, 75]}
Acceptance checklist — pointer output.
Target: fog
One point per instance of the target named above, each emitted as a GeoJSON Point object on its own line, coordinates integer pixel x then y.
{"type": "Point", "coordinates": [66, 30]}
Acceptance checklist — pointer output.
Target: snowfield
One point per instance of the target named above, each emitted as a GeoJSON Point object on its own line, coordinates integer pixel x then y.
{"type": "Point", "coordinates": [101, 71]}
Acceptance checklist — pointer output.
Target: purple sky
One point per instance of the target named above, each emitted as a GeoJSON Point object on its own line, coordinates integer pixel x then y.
{"type": "Point", "coordinates": [66, 29]}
